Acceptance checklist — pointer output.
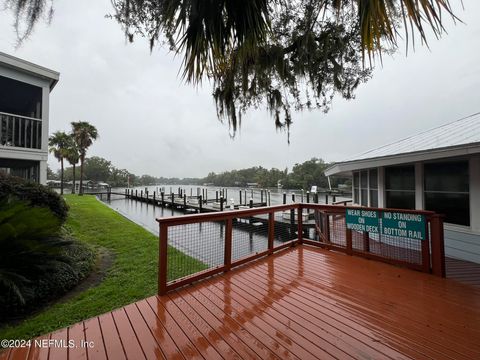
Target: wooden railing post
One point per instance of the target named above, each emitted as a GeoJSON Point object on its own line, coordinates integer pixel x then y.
{"type": "Point", "coordinates": [366, 241]}
{"type": "Point", "coordinates": [162, 260]}
{"type": "Point", "coordinates": [348, 239]}
{"type": "Point", "coordinates": [228, 245]}
{"type": "Point", "coordinates": [426, 250]}
{"type": "Point", "coordinates": [438, 247]}
{"type": "Point", "coordinates": [327, 228]}
{"type": "Point", "coordinates": [300, 223]}
{"type": "Point", "coordinates": [271, 231]}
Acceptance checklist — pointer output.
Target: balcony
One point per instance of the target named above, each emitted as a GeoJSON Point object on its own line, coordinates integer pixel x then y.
{"type": "Point", "coordinates": [20, 131]}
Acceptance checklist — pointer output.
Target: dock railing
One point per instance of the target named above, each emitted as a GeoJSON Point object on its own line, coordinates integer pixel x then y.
{"type": "Point", "coordinates": [194, 247]}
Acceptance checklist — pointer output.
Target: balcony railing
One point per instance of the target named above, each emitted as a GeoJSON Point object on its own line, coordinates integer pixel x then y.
{"type": "Point", "coordinates": [206, 244]}
{"type": "Point", "coordinates": [20, 131]}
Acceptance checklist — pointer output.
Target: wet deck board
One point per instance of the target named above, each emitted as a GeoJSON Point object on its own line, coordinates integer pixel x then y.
{"type": "Point", "coordinates": [302, 303]}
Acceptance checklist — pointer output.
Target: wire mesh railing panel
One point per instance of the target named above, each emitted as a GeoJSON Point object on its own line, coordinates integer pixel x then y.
{"type": "Point", "coordinates": [286, 226]}
{"type": "Point", "coordinates": [337, 228]}
{"type": "Point", "coordinates": [195, 247]}
{"type": "Point", "coordinates": [311, 222]}
{"type": "Point", "coordinates": [328, 226]}
{"type": "Point", "coordinates": [403, 249]}
{"type": "Point", "coordinates": [249, 235]}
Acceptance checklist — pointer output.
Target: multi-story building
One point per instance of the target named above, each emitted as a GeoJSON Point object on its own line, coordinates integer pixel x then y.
{"type": "Point", "coordinates": [24, 104]}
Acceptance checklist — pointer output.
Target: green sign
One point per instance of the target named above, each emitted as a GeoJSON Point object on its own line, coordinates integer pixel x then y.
{"type": "Point", "coordinates": [405, 225]}
{"type": "Point", "coordinates": [362, 220]}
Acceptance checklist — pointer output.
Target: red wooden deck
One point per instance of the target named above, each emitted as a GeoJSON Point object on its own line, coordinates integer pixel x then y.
{"type": "Point", "coordinates": [301, 303]}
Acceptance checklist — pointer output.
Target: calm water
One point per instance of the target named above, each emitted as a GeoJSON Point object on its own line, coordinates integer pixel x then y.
{"type": "Point", "coordinates": [205, 241]}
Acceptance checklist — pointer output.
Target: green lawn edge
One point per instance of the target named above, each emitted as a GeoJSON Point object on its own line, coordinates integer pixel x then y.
{"type": "Point", "coordinates": [132, 276]}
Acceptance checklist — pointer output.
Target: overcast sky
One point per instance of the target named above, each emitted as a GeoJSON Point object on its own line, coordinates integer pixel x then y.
{"type": "Point", "coordinates": [151, 123]}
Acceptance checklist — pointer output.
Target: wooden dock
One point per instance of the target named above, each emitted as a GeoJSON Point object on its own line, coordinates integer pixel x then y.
{"type": "Point", "coordinates": [185, 203]}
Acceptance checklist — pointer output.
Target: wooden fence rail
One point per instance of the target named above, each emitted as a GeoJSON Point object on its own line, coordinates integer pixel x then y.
{"type": "Point", "coordinates": [329, 231]}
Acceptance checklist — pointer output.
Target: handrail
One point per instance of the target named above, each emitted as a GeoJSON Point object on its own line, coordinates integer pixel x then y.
{"type": "Point", "coordinates": [433, 261]}
{"type": "Point", "coordinates": [225, 215]}
{"type": "Point", "coordinates": [21, 116]}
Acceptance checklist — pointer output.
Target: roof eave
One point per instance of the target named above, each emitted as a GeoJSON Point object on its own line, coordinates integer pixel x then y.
{"type": "Point", "coordinates": [30, 68]}
{"type": "Point", "coordinates": [411, 157]}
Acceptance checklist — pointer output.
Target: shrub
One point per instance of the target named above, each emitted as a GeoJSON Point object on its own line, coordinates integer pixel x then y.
{"type": "Point", "coordinates": [36, 263]}
{"type": "Point", "coordinates": [34, 194]}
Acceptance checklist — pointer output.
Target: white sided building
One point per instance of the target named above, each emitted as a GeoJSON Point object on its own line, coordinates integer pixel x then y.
{"type": "Point", "coordinates": [437, 170]}
{"type": "Point", "coordinates": [24, 102]}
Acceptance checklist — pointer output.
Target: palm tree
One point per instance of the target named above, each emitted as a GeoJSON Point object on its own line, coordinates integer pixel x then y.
{"type": "Point", "coordinates": [84, 134]}
{"type": "Point", "coordinates": [58, 143]}
{"type": "Point", "coordinates": [73, 156]}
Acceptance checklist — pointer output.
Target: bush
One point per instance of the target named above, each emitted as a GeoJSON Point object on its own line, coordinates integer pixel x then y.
{"type": "Point", "coordinates": [36, 263]}
{"type": "Point", "coordinates": [34, 194]}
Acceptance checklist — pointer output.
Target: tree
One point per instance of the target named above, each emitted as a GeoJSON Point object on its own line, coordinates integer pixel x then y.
{"type": "Point", "coordinates": [282, 54]}
{"type": "Point", "coordinates": [84, 134]}
{"type": "Point", "coordinates": [98, 169]}
{"type": "Point", "coordinates": [73, 156]}
{"type": "Point", "coordinates": [59, 143]}
{"type": "Point", "coordinates": [50, 174]}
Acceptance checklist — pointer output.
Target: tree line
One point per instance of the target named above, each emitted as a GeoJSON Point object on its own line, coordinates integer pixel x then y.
{"type": "Point", "coordinates": [302, 176]}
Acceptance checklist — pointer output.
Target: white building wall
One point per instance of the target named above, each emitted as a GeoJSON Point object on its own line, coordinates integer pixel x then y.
{"type": "Point", "coordinates": [460, 241]}
{"type": "Point", "coordinates": [40, 155]}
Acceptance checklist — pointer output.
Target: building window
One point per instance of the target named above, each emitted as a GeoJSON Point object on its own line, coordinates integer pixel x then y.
{"type": "Point", "coordinates": [447, 190]}
{"type": "Point", "coordinates": [356, 187]}
{"type": "Point", "coordinates": [365, 185]}
{"type": "Point", "coordinates": [364, 188]}
{"type": "Point", "coordinates": [373, 187]}
{"type": "Point", "coordinates": [400, 187]}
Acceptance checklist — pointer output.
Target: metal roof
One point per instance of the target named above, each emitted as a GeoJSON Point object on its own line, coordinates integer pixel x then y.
{"type": "Point", "coordinates": [459, 134]}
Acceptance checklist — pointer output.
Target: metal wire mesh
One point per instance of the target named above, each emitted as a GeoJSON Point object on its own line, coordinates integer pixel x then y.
{"type": "Point", "coordinates": [390, 247]}
{"type": "Point", "coordinates": [249, 236]}
{"type": "Point", "coordinates": [337, 227]}
{"type": "Point", "coordinates": [286, 228]}
{"type": "Point", "coordinates": [330, 228]}
{"type": "Point", "coordinates": [195, 247]}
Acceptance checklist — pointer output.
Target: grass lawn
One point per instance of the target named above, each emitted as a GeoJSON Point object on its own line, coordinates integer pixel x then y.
{"type": "Point", "coordinates": [132, 276]}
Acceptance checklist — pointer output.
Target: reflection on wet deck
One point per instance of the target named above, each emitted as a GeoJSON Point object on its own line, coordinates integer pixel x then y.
{"type": "Point", "coordinates": [301, 303]}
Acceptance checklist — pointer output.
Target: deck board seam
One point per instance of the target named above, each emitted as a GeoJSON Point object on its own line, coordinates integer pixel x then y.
{"type": "Point", "coordinates": [315, 281]}
{"type": "Point", "coordinates": [412, 347]}
{"type": "Point", "coordinates": [303, 316]}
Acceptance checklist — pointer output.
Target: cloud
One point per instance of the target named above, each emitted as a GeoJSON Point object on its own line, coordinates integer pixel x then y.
{"type": "Point", "coordinates": [151, 123]}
